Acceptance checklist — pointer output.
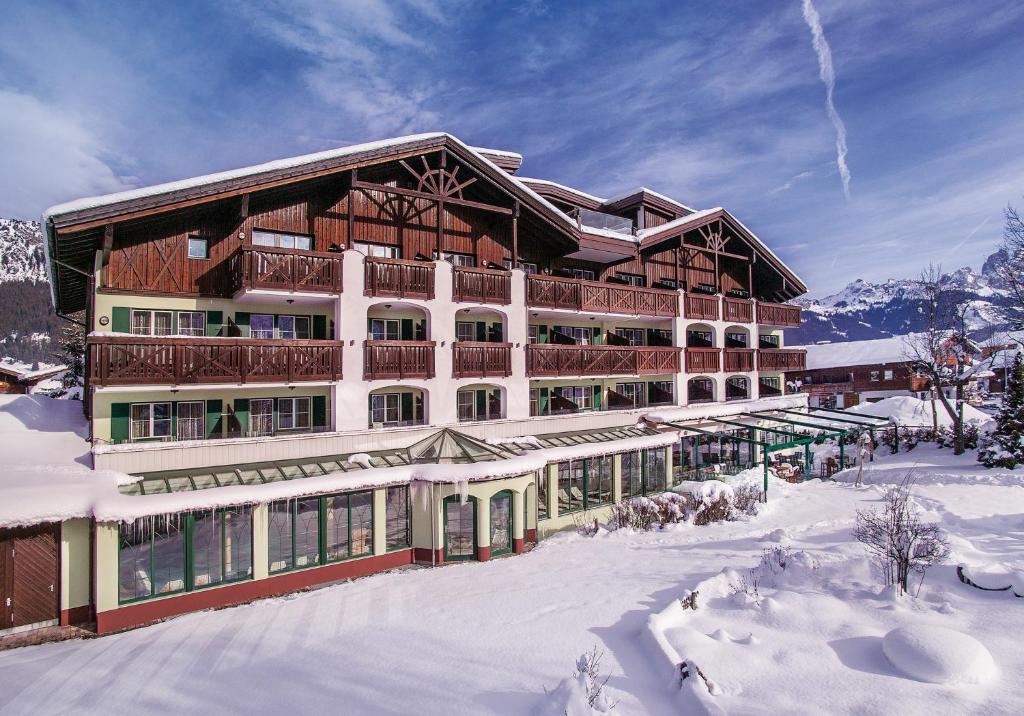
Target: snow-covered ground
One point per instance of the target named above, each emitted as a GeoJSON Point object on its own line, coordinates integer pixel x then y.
{"type": "Point", "coordinates": [493, 637]}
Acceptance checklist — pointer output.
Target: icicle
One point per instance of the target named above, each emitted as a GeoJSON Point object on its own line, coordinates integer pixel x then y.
{"type": "Point", "coordinates": [463, 491]}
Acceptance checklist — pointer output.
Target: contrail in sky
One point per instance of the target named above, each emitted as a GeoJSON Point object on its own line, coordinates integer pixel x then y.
{"type": "Point", "coordinates": [828, 76]}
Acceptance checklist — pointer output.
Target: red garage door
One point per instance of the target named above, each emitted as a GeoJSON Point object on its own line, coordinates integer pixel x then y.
{"type": "Point", "coordinates": [28, 575]}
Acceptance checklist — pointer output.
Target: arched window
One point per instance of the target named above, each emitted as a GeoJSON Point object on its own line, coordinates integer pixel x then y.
{"type": "Point", "coordinates": [736, 388]}
{"type": "Point", "coordinates": [700, 390]}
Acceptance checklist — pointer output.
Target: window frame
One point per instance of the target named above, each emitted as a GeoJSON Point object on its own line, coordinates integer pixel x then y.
{"type": "Point", "coordinates": [262, 331]}
{"type": "Point", "coordinates": [205, 246]}
{"type": "Point", "coordinates": [323, 502]}
{"type": "Point", "coordinates": [465, 325]}
{"type": "Point", "coordinates": [295, 412]}
{"type": "Point", "coordinates": [374, 250]}
{"type": "Point", "coordinates": [191, 330]}
{"type": "Point", "coordinates": [632, 279]}
{"type": "Point", "coordinates": [389, 547]}
{"type": "Point", "coordinates": [151, 421]}
{"type": "Point", "coordinates": [151, 321]}
{"type": "Point", "coordinates": [201, 419]}
{"type": "Point", "coordinates": [386, 324]}
{"type": "Point", "coordinates": [397, 408]}
{"type": "Point", "coordinates": [631, 335]}
{"type": "Point", "coordinates": [279, 235]}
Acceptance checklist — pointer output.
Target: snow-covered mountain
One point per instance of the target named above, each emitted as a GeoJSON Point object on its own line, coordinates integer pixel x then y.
{"type": "Point", "coordinates": [865, 310]}
{"type": "Point", "coordinates": [21, 251]}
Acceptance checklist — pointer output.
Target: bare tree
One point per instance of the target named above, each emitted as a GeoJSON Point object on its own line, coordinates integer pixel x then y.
{"type": "Point", "coordinates": [898, 538]}
{"type": "Point", "coordinates": [1011, 267]}
{"type": "Point", "coordinates": [943, 351]}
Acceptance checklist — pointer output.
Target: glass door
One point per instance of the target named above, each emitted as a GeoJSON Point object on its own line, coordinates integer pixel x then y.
{"type": "Point", "coordinates": [501, 523]}
{"type": "Point", "coordinates": [261, 416]}
{"type": "Point", "coordinates": [459, 529]}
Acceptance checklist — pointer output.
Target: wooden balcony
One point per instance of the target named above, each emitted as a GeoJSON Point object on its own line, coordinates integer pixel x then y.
{"type": "Point", "coordinates": [398, 359]}
{"type": "Point", "coordinates": [547, 359]}
{"type": "Point", "coordinates": [739, 360]}
{"type": "Point", "coordinates": [475, 359]}
{"type": "Point", "coordinates": [703, 360]}
{"type": "Point", "coordinates": [267, 268]}
{"type": "Point", "coordinates": [596, 297]}
{"type": "Point", "coordinates": [700, 307]}
{"type": "Point", "coordinates": [781, 359]}
{"type": "Point", "coordinates": [737, 310]}
{"type": "Point", "coordinates": [399, 278]}
{"type": "Point", "coordinates": [783, 315]}
{"type": "Point", "coordinates": [481, 285]}
{"type": "Point", "coordinates": [145, 360]}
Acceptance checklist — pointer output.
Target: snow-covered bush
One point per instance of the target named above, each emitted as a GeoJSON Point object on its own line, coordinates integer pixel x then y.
{"type": "Point", "coordinates": [582, 694]}
{"type": "Point", "coordinates": [699, 503]}
{"type": "Point", "coordinates": [1004, 447]}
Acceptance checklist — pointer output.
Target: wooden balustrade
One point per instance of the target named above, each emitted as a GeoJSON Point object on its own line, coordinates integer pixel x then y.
{"type": "Point", "coordinates": [703, 360]}
{"type": "Point", "coordinates": [737, 310]}
{"type": "Point", "coordinates": [398, 277]}
{"type": "Point", "coordinates": [398, 359]}
{"type": "Point", "coordinates": [547, 359]}
{"type": "Point", "coordinates": [263, 267]}
{"type": "Point", "coordinates": [781, 359]}
{"type": "Point", "coordinates": [147, 360]}
{"type": "Point", "coordinates": [739, 360]}
{"type": "Point", "coordinates": [481, 285]}
{"type": "Point", "coordinates": [701, 307]}
{"type": "Point", "coordinates": [778, 314]}
{"type": "Point", "coordinates": [476, 359]}
{"type": "Point", "coordinates": [578, 295]}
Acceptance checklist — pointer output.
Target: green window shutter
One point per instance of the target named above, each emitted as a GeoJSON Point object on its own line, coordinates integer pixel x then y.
{"type": "Point", "coordinates": [481, 402]}
{"type": "Point", "coordinates": [174, 421]}
{"type": "Point", "coordinates": [481, 331]}
{"type": "Point", "coordinates": [319, 408]}
{"type": "Point", "coordinates": [542, 334]}
{"type": "Point", "coordinates": [407, 330]}
{"type": "Point", "coordinates": [597, 336]}
{"type": "Point", "coordinates": [320, 328]}
{"type": "Point", "coordinates": [120, 430]}
{"type": "Point", "coordinates": [407, 411]}
{"type": "Point", "coordinates": [174, 323]}
{"type": "Point", "coordinates": [214, 322]}
{"type": "Point", "coordinates": [242, 321]}
{"type": "Point", "coordinates": [542, 401]}
{"type": "Point", "coordinates": [597, 397]}
{"type": "Point", "coordinates": [497, 333]}
{"type": "Point", "coordinates": [214, 408]}
{"type": "Point", "coordinates": [121, 319]}
{"type": "Point", "coordinates": [242, 415]}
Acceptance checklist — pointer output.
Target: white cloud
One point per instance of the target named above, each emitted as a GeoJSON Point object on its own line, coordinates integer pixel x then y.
{"type": "Point", "coordinates": [48, 157]}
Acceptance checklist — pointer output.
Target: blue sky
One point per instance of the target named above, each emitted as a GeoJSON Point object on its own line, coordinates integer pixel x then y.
{"type": "Point", "coordinates": [712, 103]}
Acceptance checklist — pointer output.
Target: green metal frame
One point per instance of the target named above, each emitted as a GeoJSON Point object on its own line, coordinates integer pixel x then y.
{"type": "Point", "coordinates": [448, 557]}
{"type": "Point", "coordinates": [408, 519]}
{"type": "Point", "coordinates": [321, 527]}
{"type": "Point", "coordinates": [586, 486]}
{"type": "Point", "coordinates": [511, 511]}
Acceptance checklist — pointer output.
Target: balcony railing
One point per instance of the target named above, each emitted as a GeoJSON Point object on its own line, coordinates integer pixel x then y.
{"type": "Point", "coordinates": [778, 314]}
{"type": "Point", "coordinates": [739, 360]}
{"type": "Point", "coordinates": [398, 359]}
{"type": "Point", "coordinates": [399, 278]}
{"type": "Point", "coordinates": [703, 360]}
{"type": "Point", "coordinates": [737, 310]}
{"type": "Point", "coordinates": [704, 308]}
{"type": "Point", "coordinates": [473, 359]}
{"type": "Point", "coordinates": [481, 285]}
{"type": "Point", "coordinates": [781, 359]}
{"type": "Point", "coordinates": [261, 267]}
{"type": "Point", "coordinates": [145, 360]}
{"type": "Point", "coordinates": [577, 295]}
{"type": "Point", "coordinates": [548, 359]}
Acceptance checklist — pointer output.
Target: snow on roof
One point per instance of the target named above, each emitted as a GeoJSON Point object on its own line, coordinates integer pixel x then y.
{"type": "Point", "coordinates": [644, 189]}
{"type": "Point", "coordinates": [573, 190]}
{"type": "Point", "coordinates": [24, 371]}
{"type": "Point", "coordinates": [721, 410]}
{"type": "Point", "coordinates": [498, 152]}
{"type": "Point", "coordinates": [851, 353]}
{"type": "Point", "coordinates": [913, 412]}
{"type": "Point", "coordinates": [681, 221]}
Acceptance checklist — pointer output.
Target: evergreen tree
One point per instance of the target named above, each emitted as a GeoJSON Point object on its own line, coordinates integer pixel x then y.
{"type": "Point", "coordinates": [1005, 446]}
{"type": "Point", "coordinates": [72, 340]}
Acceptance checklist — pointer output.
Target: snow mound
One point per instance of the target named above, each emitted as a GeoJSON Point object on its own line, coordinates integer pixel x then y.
{"type": "Point", "coordinates": [707, 491]}
{"type": "Point", "coordinates": [914, 412]}
{"type": "Point", "coordinates": [776, 535]}
{"type": "Point", "coordinates": [938, 655]}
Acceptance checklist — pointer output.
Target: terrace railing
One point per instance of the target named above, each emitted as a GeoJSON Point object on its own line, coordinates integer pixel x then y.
{"type": "Point", "coordinates": [778, 314]}
{"type": "Point", "coordinates": [781, 359]}
{"type": "Point", "coordinates": [474, 359]}
{"type": "Point", "coordinates": [268, 268]}
{"type": "Point", "coordinates": [399, 278]}
{"type": "Point", "coordinates": [398, 359]}
{"type": "Point", "coordinates": [703, 360]}
{"type": "Point", "coordinates": [481, 285]}
{"type": "Point", "coordinates": [700, 307]}
{"type": "Point", "coordinates": [146, 360]}
{"type": "Point", "coordinates": [546, 359]}
{"type": "Point", "coordinates": [737, 310]}
{"type": "Point", "coordinates": [739, 360]}
{"type": "Point", "coordinates": [578, 295]}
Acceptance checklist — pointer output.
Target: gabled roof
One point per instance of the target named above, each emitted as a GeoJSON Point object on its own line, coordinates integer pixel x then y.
{"type": "Point", "coordinates": [643, 195]}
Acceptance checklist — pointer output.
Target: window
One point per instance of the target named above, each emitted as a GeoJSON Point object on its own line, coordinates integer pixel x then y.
{"type": "Point", "coordinates": [633, 392]}
{"type": "Point", "coordinates": [542, 494]}
{"type": "Point", "coordinates": [378, 250]}
{"type": "Point", "coordinates": [887, 375]}
{"type": "Point", "coordinates": [385, 408]}
{"type": "Point", "coordinates": [501, 523]}
{"type": "Point", "coordinates": [571, 488]}
{"type": "Point", "coordinates": [534, 401]}
{"type": "Point", "coordinates": [736, 388]}
{"type": "Point", "coordinates": [294, 538]}
{"type": "Point", "coordinates": [771, 386]}
{"type": "Point", "coordinates": [465, 331]}
{"type": "Point", "coordinates": [631, 278]}
{"type": "Point", "coordinates": [398, 530]}
{"type": "Point", "coordinates": [261, 325]}
{"type": "Point", "coordinates": [472, 405]}
{"type": "Point", "coordinates": [532, 334]}
{"type": "Point", "coordinates": [261, 416]}
{"type": "Point", "coordinates": [582, 336]}
{"type": "Point", "coordinates": [528, 267]}
{"type": "Point", "coordinates": [191, 323]}
{"type": "Point", "coordinates": [456, 259]}
{"type": "Point", "coordinates": [654, 470]}
{"type": "Point", "coordinates": [633, 336]}
{"type": "Point", "coordinates": [735, 340]}
{"type": "Point", "coordinates": [192, 420]}
{"type": "Point", "coordinates": [198, 247]}
{"type": "Point", "coordinates": [293, 327]}
{"type": "Point", "coordinates": [768, 341]}
{"type": "Point", "coordinates": [699, 339]}
{"type": "Point", "coordinates": [348, 525]}
{"type": "Point", "coordinates": [581, 395]}
{"type": "Point", "coordinates": [669, 283]}
{"type": "Point", "coordinates": [466, 403]}
{"type": "Point", "coordinates": [583, 484]}
{"type": "Point", "coordinates": [598, 474]}
{"type": "Point", "coordinates": [384, 329]}
{"type": "Point", "coordinates": [660, 392]}
{"type": "Point", "coordinates": [809, 379]}
{"type": "Point", "coordinates": [150, 421]}
{"type": "Point", "coordinates": [293, 413]}
{"type": "Point", "coordinates": [632, 475]}
{"type": "Point", "coordinates": [152, 323]}
{"type": "Point", "coordinates": [582, 274]}
{"type": "Point", "coordinates": [221, 542]}
{"type": "Point", "coordinates": [874, 376]}
{"type": "Point", "coordinates": [282, 240]}
{"type": "Point", "coordinates": [700, 390]}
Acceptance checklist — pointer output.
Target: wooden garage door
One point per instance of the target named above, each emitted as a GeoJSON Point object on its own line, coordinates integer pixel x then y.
{"type": "Point", "coordinates": [28, 575]}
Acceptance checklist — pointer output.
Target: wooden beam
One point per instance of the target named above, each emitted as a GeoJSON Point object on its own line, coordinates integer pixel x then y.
{"type": "Point", "coordinates": [706, 250]}
{"type": "Point", "coordinates": [353, 179]}
{"type": "Point", "coordinates": [371, 186]}
{"type": "Point", "coordinates": [108, 242]}
{"type": "Point", "coordinates": [243, 212]}
{"type": "Point", "coordinates": [440, 205]}
{"type": "Point", "coordinates": [515, 234]}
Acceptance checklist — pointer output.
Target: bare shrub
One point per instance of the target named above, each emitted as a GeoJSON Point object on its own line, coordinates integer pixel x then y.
{"type": "Point", "coordinates": [588, 673]}
{"type": "Point", "coordinates": [898, 538]}
{"type": "Point", "coordinates": [646, 513]}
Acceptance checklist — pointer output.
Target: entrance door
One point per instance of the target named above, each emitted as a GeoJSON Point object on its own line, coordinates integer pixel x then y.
{"type": "Point", "coordinates": [459, 529]}
{"type": "Point", "coordinates": [28, 576]}
{"type": "Point", "coordinates": [501, 523]}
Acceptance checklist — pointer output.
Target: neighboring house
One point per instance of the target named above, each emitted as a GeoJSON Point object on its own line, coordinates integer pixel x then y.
{"type": "Point", "coordinates": [332, 365]}
{"type": "Point", "coordinates": [839, 375]}
{"type": "Point", "coordinates": [995, 373]}
{"type": "Point", "coordinates": [16, 377]}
